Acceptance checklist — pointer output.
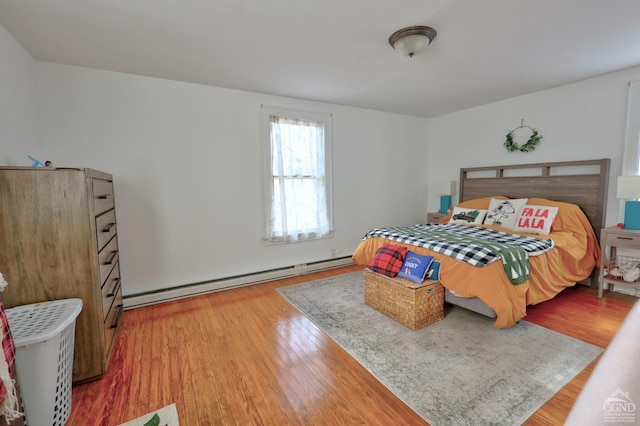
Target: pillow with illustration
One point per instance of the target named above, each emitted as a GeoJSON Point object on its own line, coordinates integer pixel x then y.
{"type": "Point", "coordinates": [388, 260]}
{"type": "Point", "coordinates": [463, 216]}
{"type": "Point", "coordinates": [536, 219]}
{"type": "Point", "coordinates": [415, 267]}
{"type": "Point", "coordinates": [503, 213]}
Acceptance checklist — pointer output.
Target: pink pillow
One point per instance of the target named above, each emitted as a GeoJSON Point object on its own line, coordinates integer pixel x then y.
{"type": "Point", "coordinates": [536, 219]}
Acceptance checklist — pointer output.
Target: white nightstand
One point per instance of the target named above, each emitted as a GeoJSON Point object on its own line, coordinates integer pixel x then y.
{"type": "Point", "coordinates": [616, 238]}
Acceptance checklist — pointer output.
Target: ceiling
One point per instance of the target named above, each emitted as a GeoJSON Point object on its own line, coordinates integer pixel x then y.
{"type": "Point", "coordinates": [337, 51]}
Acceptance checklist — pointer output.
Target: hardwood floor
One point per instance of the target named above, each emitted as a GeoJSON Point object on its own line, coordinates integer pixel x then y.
{"type": "Point", "coordinates": [246, 356]}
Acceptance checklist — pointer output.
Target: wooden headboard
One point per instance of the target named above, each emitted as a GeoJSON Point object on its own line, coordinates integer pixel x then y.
{"type": "Point", "coordinates": [584, 183]}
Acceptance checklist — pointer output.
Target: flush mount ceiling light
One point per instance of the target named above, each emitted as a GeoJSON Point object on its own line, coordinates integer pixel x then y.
{"type": "Point", "coordinates": [411, 40]}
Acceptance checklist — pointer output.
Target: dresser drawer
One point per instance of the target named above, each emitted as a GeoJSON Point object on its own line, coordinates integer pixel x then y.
{"type": "Point", "coordinates": [110, 289]}
{"type": "Point", "coordinates": [623, 238]}
{"type": "Point", "coordinates": [102, 196]}
{"type": "Point", "coordinates": [107, 258]}
{"type": "Point", "coordinates": [113, 320]}
{"type": "Point", "coordinates": [105, 228]}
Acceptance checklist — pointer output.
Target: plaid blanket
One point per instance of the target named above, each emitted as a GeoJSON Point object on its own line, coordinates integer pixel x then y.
{"type": "Point", "coordinates": [9, 352]}
{"type": "Point", "coordinates": [472, 244]}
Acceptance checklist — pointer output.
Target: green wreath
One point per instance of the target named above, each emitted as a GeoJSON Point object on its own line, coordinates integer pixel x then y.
{"type": "Point", "coordinates": [531, 144]}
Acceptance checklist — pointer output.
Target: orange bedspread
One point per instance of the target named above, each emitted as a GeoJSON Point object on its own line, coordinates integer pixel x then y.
{"type": "Point", "coordinates": [575, 254]}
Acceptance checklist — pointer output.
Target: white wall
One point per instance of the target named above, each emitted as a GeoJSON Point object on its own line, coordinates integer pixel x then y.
{"type": "Point", "coordinates": [19, 132]}
{"type": "Point", "coordinates": [186, 161]}
{"type": "Point", "coordinates": [580, 121]}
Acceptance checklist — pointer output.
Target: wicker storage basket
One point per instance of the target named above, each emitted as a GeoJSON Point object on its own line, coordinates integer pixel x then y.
{"type": "Point", "coordinates": [411, 304]}
{"type": "Point", "coordinates": [624, 268]}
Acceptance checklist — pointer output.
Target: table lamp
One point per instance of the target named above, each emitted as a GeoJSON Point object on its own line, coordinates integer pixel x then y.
{"type": "Point", "coordinates": [447, 190]}
{"type": "Point", "coordinates": [629, 187]}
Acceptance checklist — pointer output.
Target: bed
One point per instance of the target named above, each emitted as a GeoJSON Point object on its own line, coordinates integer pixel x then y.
{"type": "Point", "coordinates": [579, 191]}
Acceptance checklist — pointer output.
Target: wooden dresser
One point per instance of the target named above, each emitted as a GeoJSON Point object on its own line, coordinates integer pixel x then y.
{"type": "Point", "coordinates": [58, 240]}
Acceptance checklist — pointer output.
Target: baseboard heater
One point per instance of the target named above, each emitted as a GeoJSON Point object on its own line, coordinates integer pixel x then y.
{"type": "Point", "coordinates": [189, 290]}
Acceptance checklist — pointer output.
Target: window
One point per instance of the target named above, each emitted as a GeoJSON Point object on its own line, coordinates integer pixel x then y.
{"type": "Point", "coordinates": [298, 175]}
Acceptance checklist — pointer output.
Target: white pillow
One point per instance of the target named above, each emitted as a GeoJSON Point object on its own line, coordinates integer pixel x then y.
{"type": "Point", "coordinates": [504, 213]}
{"type": "Point", "coordinates": [465, 216]}
{"type": "Point", "coordinates": [536, 219]}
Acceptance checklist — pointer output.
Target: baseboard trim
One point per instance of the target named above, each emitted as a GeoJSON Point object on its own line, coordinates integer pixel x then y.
{"type": "Point", "coordinates": [195, 289]}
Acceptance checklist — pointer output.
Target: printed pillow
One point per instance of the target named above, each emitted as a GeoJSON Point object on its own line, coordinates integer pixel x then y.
{"type": "Point", "coordinates": [415, 267]}
{"type": "Point", "coordinates": [536, 219]}
{"type": "Point", "coordinates": [388, 260]}
{"type": "Point", "coordinates": [504, 213]}
{"type": "Point", "coordinates": [433, 273]}
{"type": "Point", "coordinates": [464, 216]}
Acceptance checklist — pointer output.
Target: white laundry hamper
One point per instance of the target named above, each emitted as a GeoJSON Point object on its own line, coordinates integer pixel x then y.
{"type": "Point", "coordinates": [44, 335]}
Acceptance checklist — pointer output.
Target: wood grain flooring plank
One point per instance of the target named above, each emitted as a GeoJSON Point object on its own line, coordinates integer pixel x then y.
{"type": "Point", "coordinates": [247, 357]}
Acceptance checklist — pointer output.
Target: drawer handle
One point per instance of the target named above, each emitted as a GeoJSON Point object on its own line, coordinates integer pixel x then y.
{"type": "Point", "coordinates": [115, 288]}
{"type": "Point", "coordinates": [108, 227]}
{"type": "Point", "coordinates": [624, 238]}
{"type": "Point", "coordinates": [104, 197]}
{"type": "Point", "coordinates": [116, 323]}
{"type": "Point", "coordinates": [111, 258]}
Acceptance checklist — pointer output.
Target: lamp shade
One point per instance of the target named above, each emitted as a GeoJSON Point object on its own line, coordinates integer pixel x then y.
{"type": "Point", "coordinates": [447, 187]}
{"type": "Point", "coordinates": [628, 187]}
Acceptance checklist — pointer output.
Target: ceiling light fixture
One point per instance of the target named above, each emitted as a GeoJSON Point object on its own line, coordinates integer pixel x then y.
{"type": "Point", "coordinates": [411, 40]}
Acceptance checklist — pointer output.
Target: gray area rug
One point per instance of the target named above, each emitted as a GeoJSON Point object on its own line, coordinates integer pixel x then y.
{"type": "Point", "coordinates": [458, 371]}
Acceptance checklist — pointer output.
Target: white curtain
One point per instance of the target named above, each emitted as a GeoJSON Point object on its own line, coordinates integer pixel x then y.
{"type": "Point", "coordinates": [631, 156]}
{"type": "Point", "coordinates": [299, 192]}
